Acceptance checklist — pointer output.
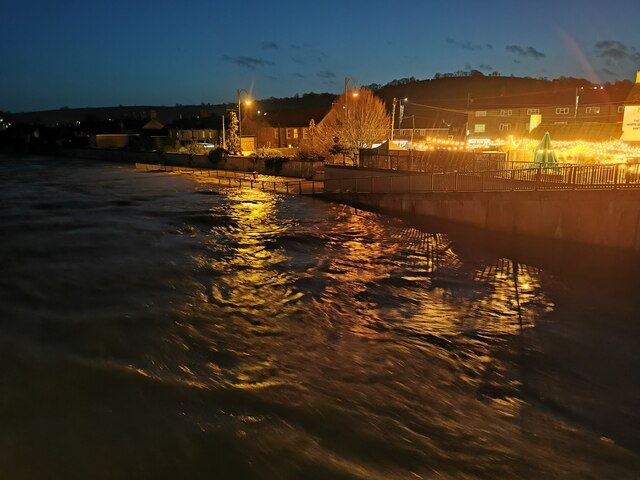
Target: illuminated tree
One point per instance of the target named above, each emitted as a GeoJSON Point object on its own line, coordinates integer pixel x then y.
{"type": "Point", "coordinates": [356, 121]}
{"type": "Point", "coordinates": [233, 139]}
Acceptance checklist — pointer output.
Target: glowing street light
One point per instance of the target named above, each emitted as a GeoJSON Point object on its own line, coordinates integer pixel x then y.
{"type": "Point", "coordinates": [247, 102]}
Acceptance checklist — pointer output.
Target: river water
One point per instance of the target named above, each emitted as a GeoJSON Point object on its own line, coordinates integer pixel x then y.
{"type": "Point", "coordinates": [157, 326]}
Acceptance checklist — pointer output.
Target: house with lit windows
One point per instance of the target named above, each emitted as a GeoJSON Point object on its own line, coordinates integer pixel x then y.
{"type": "Point", "coordinates": [286, 128]}
{"type": "Point", "coordinates": [594, 112]}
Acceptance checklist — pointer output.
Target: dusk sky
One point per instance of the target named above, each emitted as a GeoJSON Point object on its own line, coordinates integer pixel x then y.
{"type": "Point", "coordinates": [98, 53]}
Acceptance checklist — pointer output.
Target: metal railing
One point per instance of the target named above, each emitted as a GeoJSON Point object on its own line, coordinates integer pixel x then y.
{"type": "Point", "coordinates": [567, 177]}
{"type": "Point", "coordinates": [244, 180]}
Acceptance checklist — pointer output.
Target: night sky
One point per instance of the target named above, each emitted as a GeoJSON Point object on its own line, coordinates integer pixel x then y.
{"type": "Point", "coordinates": [98, 53]}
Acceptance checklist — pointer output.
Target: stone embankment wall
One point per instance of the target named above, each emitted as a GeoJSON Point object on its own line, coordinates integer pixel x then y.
{"type": "Point", "coordinates": [290, 168]}
{"type": "Point", "coordinates": [603, 218]}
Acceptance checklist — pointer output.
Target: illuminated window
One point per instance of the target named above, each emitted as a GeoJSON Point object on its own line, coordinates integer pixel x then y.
{"type": "Point", "coordinates": [422, 132]}
{"type": "Point", "coordinates": [533, 111]}
{"type": "Point", "coordinates": [505, 127]}
{"type": "Point", "coordinates": [481, 113]}
{"type": "Point", "coordinates": [592, 110]}
{"type": "Point", "coordinates": [506, 113]}
{"type": "Point", "coordinates": [479, 128]}
{"type": "Point", "coordinates": [621, 109]}
{"type": "Point", "coordinates": [562, 111]}
{"type": "Point", "coordinates": [295, 133]}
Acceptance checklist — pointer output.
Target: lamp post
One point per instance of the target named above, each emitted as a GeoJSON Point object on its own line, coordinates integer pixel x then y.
{"type": "Point", "coordinates": [247, 102]}
{"type": "Point", "coordinates": [575, 116]}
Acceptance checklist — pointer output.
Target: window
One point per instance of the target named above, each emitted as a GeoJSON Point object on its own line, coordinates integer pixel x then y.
{"type": "Point", "coordinates": [422, 132]}
{"type": "Point", "coordinates": [562, 111]}
{"type": "Point", "coordinates": [295, 133]}
{"type": "Point", "coordinates": [621, 109]}
{"type": "Point", "coordinates": [288, 133]}
{"type": "Point", "coordinates": [506, 113]}
{"type": "Point", "coordinates": [505, 127]}
{"type": "Point", "coordinates": [533, 111]}
{"type": "Point", "coordinates": [481, 113]}
{"type": "Point", "coordinates": [592, 110]}
{"type": "Point", "coordinates": [304, 133]}
{"type": "Point", "coordinates": [479, 128]}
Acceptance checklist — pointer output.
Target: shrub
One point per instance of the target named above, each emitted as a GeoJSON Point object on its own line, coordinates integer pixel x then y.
{"type": "Point", "coordinates": [218, 155]}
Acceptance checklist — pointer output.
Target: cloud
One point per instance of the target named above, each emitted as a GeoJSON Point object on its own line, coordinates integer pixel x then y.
{"type": "Point", "coordinates": [525, 51]}
{"type": "Point", "coordinates": [269, 45]}
{"type": "Point", "coordinates": [248, 62]}
{"type": "Point", "coordinates": [489, 46]}
{"type": "Point", "coordinates": [613, 51]}
{"type": "Point", "coordinates": [299, 75]}
{"type": "Point", "coordinates": [465, 45]}
{"type": "Point", "coordinates": [484, 66]}
{"type": "Point", "coordinates": [609, 73]}
{"type": "Point", "coordinates": [326, 74]}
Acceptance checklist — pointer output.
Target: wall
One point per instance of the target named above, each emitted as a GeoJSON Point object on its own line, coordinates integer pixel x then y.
{"type": "Point", "coordinates": [604, 218]}
{"type": "Point", "coordinates": [291, 168]}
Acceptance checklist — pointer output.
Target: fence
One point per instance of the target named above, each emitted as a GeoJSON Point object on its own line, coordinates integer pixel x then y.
{"type": "Point", "coordinates": [244, 179]}
{"type": "Point", "coordinates": [570, 177]}
{"type": "Point", "coordinates": [433, 161]}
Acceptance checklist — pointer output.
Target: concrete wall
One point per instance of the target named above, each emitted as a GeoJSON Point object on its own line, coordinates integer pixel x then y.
{"type": "Point", "coordinates": [605, 218]}
{"type": "Point", "coordinates": [291, 168]}
{"type": "Point", "coordinates": [601, 218]}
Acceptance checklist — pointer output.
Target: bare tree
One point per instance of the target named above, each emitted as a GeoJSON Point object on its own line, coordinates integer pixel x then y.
{"type": "Point", "coordinates": [355, 121]}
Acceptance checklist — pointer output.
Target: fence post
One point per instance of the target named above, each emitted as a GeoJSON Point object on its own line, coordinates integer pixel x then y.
{"type": "Point", "coordinates": [455, 181]}
{"type": "Point", "coordinates": [615, 177]}
{"type": "Point", "coordinates": [538, 178]}
{"type": "Point", "coordinates": [287, 186]}
{"type": "Point", "coordinates": [573, 177]}
{"type": "Point", "coordinates": [513, 179]}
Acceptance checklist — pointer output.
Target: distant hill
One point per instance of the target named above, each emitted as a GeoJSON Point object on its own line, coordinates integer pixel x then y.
{"type": "Point", "coordinates": [436, 102]}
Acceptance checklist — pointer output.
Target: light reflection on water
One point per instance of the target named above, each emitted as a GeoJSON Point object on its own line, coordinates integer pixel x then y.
{"type": "Point", "coordinates": [163, 327]}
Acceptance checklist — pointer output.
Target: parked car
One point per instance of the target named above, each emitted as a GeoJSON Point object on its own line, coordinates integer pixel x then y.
{"type": "Point", "coordinates": [206, 145]}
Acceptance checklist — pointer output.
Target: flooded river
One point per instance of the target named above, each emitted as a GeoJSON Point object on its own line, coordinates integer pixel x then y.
{"type": "Point", "coordinates": [157, 326]}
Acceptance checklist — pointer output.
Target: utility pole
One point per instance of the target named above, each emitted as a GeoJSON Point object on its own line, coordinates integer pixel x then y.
{"type": "Point", "coordinates": [346, 99]}
{"type": "Point", "coordinates": [224, 138]}
{"type": "Point", "coordinates": [393, 116]}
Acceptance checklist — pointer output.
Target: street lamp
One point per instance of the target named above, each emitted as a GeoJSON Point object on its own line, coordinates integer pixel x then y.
{"type": "Point", "coordinates": [246, 102]}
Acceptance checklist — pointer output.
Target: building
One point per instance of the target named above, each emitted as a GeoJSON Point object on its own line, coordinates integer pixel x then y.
{"type": "Point", "coordinates": [286, 128]}
{"type": "Point", "coordinates": [518, 115]}
{"type": "Point", "coordinates": [631, 121]}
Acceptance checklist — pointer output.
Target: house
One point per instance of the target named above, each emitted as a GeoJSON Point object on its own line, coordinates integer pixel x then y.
{"type": "Point", "coordinates": [202, 129]}
{"type": "Point", "coordinates": [518, 115]}
{"type": "Point", "coordinates": [285, 128]}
